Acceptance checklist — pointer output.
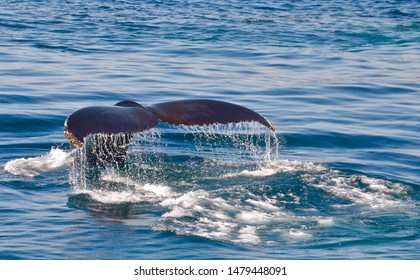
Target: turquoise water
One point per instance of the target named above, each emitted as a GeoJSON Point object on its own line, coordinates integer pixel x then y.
{"type": "Point", "coordinates": [339, 179]}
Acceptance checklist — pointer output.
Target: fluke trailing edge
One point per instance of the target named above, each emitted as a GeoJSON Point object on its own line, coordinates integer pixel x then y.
{"type": "Point", "coordinates": [129, 117]}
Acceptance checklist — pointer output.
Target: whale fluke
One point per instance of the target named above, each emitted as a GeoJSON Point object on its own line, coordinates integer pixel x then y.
{"type": "Point", "coordinates": [128, 117]}
{"type": "Point", "coordinates": [131, 117]}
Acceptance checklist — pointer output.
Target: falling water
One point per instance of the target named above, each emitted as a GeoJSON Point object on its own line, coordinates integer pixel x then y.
{"type": "Point", "coordinates": [233, 144]}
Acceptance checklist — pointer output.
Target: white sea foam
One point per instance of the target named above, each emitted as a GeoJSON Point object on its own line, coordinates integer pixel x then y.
{"type": "Point", "coordinates": [265, 205]}
{"type": "Point", "coordinates": [298, 234]}
{"type": "Point", "coordinates": [248, 235]}
{"type": "Point", "coordinates": [262, 172]}
{"type": "Point", "coordinates": [254, 217]}
{"type": "Point", "coordinates": [56, 159]}
{"type": "Point", "coordinates": [226, 219]}
{"type": "Point", "coordinates": [325, 222]}
{"type": "Point", "coordinates": [107, 196]}
{"type": "Point", "coordinates": [152, 190]}
{"type": "Point", "coordinates": [377, 194]}
{"type": "Point", "coordinates": [137, 193]}
{"type": "Point", "coordinates": [384, 186]}
{"type": "Point", "coordinates": [184, 205]}
{"type": "Point", "coordinates": [130, 191]}
{"type": "Point", "coordinates": [250, 218]}
{"type": "Point", "coordinates": [278, 166]}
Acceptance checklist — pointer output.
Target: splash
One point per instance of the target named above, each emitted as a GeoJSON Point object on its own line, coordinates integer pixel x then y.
{"type": "Point", "coordinates": [95, 158]}
{"type": "Point", "coordinates": [147, 157]}
{"type": "Point", "coordinates": [251, 142]}
{"type": "Point", "coordinates": [228, 183]}
{"type": "Point", "coordinates": [55, 159]}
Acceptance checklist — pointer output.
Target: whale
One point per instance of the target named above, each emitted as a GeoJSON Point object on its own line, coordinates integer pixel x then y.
{"type": "Point", "coordinates": [116, 124]}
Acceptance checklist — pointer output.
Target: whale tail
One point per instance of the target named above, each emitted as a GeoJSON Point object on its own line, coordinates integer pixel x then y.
{"type": "Point", "coordinates": [128, 117]}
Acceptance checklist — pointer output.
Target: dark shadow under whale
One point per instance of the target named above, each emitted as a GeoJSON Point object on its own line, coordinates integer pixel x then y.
{"type": "Point", "coordinates": [116, 124]}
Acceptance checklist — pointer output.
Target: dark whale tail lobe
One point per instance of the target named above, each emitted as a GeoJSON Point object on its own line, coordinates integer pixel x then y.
{"type": "Point", "coordinates": [206, 112]}
{"type": "Point", "coordinates": [128, 117]}
{"type": "Point", "coordinates": [123, 118]}
{"type": "Point", "coordinates": [106, 131]}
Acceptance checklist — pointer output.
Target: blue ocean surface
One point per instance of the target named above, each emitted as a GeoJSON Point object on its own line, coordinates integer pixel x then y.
{"type": "Point", "coordinates": [338, 179]}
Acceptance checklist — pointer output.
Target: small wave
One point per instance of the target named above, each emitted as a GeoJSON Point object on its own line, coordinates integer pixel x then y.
{"type": "Point", "coordinates": [298, 234]}
{"type": "Point", "coordinates": [149, 191]}
{"type": "Point", "coordinates": [248, 235]}
{"type": "Point", "coordinates": [278, 166]}
{"type": "Point", "coordinates": [361, 190]}
{"type": "Point", "coordinates": [325, 222]}
{"type": "Point", "coordinates": [127, 190]}
{"type": "Point", "coordinates": [56, 159]}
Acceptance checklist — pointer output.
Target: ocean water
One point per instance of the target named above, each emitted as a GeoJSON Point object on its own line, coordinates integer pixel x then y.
{"type": "Point", "coordinates": [339, 178]}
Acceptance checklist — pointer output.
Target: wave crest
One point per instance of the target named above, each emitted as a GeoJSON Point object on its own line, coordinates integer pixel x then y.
{"type": "Point", "coordinates": [56, 159]}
